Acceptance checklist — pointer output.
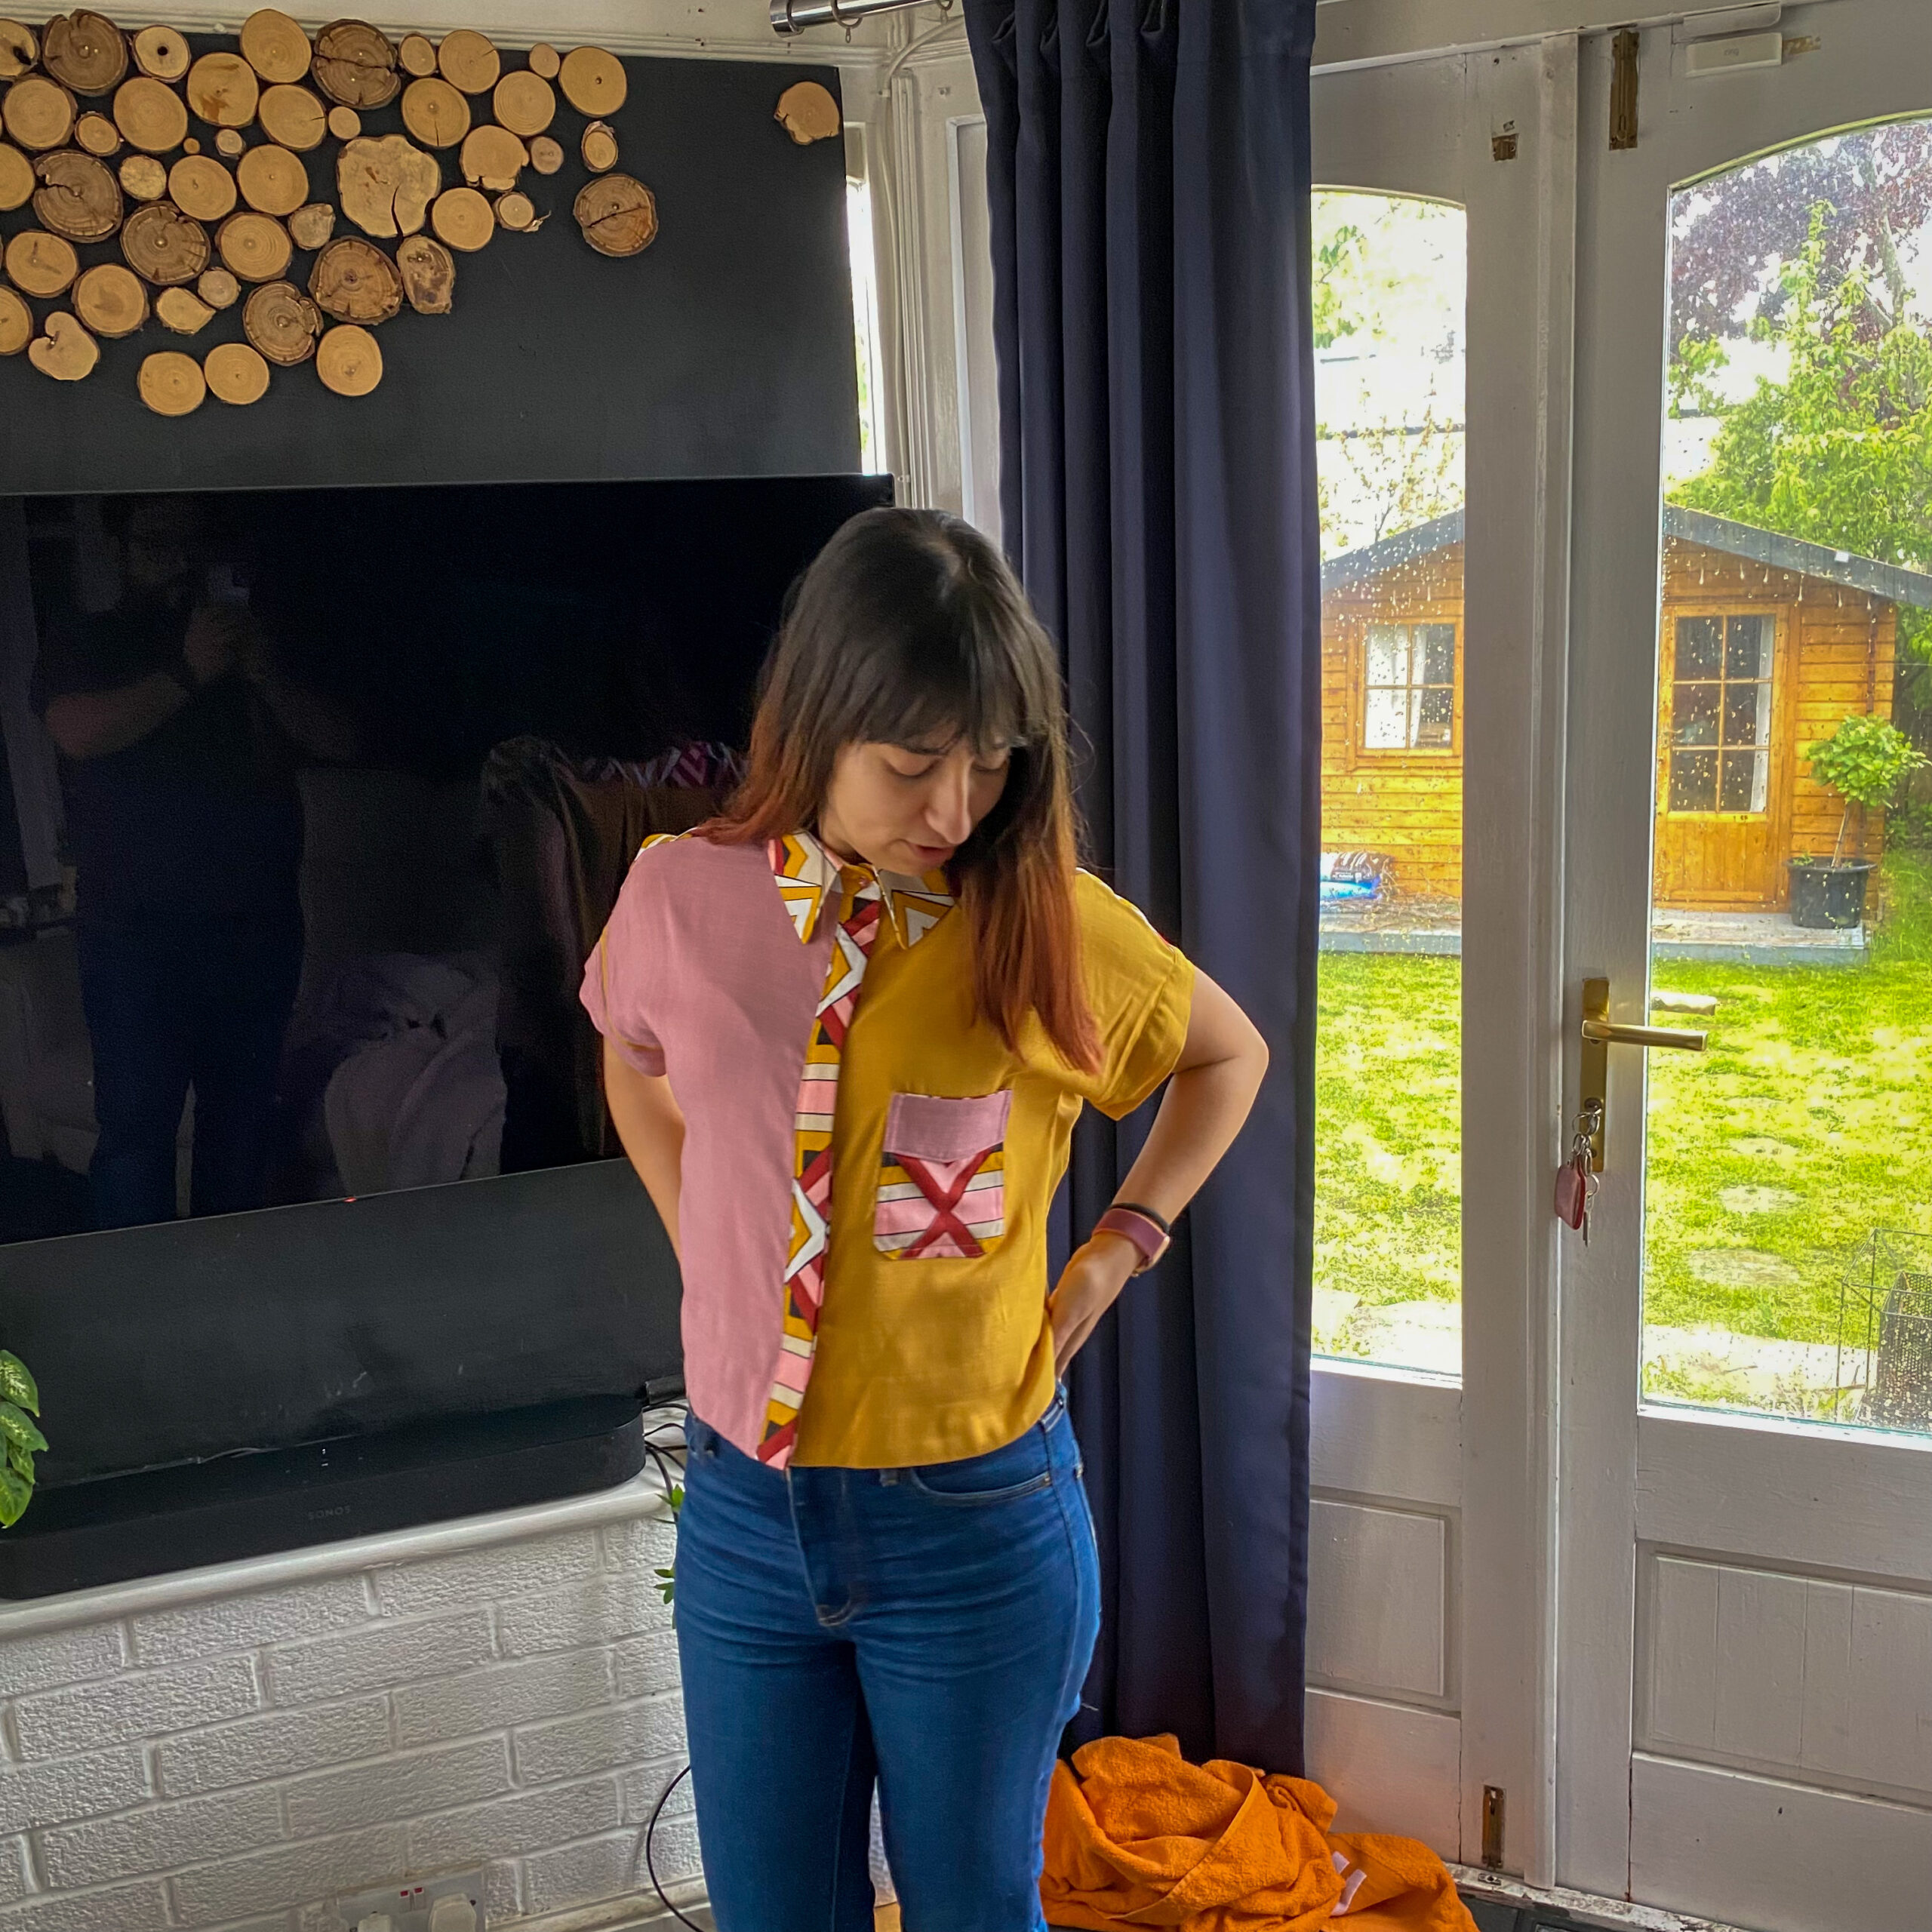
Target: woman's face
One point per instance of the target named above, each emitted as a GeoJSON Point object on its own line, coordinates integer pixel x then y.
{"type": "Point", "coordinates": [907, 808]}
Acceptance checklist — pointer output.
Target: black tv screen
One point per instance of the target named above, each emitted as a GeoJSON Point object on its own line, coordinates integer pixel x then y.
{"type": "Point", "coordinates": [318, 799]}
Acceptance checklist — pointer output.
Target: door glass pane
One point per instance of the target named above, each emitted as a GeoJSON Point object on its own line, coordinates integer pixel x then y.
{"type": "Point", "coordinates": [1389, 310]}
{"type": "Point", "coordinates": [1788, 1190]}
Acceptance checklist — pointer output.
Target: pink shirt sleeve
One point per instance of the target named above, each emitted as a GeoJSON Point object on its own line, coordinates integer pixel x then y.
{"type": "Point", "coordinates": [616, 978]}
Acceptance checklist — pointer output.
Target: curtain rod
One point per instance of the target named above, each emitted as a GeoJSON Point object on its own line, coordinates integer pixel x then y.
{"type": "Point", "coordinates": [789, 17]}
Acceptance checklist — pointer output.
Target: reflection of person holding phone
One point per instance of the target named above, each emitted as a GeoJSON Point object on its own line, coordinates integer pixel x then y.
{"type": "Point", "coordinates": [178, 740]}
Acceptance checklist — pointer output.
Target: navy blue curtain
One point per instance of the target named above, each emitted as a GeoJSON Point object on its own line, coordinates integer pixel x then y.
{"type": "Point", "coordinates": [1149, 183]}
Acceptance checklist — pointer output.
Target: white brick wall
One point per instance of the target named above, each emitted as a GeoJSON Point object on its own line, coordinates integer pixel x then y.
{"type": "Point", "coordinates": [229, 1750]}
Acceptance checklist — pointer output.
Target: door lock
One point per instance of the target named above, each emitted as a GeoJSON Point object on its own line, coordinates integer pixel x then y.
{"type": "Point", "coordinates": [1600, 1033]}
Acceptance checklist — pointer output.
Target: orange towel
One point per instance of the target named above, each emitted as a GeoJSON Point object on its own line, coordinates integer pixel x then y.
{"type": "Point", "coordinates": [1136, 1835]}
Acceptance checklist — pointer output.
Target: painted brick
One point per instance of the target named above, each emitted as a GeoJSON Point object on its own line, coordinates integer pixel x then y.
{"type": "Point", "coordinates": [593, 1610]}
{"type": "Point", "coordinates": [13, 1870]}
{"type": "Point", "coordinates": [277, 1745]}
{"type": "Point", "coordinates": [674, 1853]}
{"type": "Point", "coordinates": [58, 1724]}
{"type": "Point", "coordinates": [378, 1655]}
{"type": "Point", "coordinates": [642, 1788]}
{"type": "Point", "coordinates": [510, 1693]}
{"type": "Point", "coordinates": [644, 1665]}
{"type": "Point", "coordinates": [398, 1787]}
{"type": "Point", "coordinates": [209, 1894]}
{"type": "Point", "coordinates": [59, 1656]}
{"type": "Point", "coordinates": [527, 1820]}
{"type": "Point", "coordinates": [472, 1576]}
{"type": "Point", "coordinates": [574, 1873]}
{"type": "Point", "coordinates": [75, 1787]}
{"type": "Point", "coordinates": [643, 1543]}
{"type": "Point", "coordinates": [502, 1891]}
{"type": "Point", "coordinates": [115, 1909]}
{"type": "Point", "coordinates": [282, 1922]}
{"type": "Point", "coordinates": [624, 1735]}
{"type": "Point", "coordinates": [160, 1838]}
{"type": "Point", "coordinates": [241, 1623]}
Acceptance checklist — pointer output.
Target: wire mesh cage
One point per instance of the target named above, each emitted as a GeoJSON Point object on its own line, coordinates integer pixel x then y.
{"type": "Point", "coordinates": [1885, 1329]}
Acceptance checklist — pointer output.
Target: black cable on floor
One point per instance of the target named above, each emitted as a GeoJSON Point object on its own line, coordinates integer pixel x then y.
{"type": "Point", "coordinates": [650, 1865]}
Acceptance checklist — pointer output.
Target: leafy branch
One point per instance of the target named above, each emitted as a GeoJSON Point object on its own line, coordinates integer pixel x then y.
{"type": "Point", "coordinates": [20, 1403]}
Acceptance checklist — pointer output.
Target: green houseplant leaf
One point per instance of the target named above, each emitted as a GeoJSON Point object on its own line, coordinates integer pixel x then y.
{"type": "Point", "coordinates": [16, 1383]}
{"type": "Point", "coordinates": [18, 1427]}
{"type": "Point", "coordinates": [15, 1492]}
{"type": "Point", "coordinates": [20, 1438]}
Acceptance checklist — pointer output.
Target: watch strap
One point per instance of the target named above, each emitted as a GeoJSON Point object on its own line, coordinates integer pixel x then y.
{"type": "Point", "coordinates": [1145, 1231]}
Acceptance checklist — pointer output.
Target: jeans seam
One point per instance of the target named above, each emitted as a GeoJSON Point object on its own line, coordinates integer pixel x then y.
{"type": "Point", "coordinates": [838, 1844]}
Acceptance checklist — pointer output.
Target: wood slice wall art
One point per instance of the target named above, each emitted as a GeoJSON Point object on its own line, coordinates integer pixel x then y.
{"type": "Point", "coordinates": [183, 176]}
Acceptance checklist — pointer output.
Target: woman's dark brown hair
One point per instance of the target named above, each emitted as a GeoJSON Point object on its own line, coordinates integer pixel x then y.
{"type": "Point", "coordinates": [908, 628]}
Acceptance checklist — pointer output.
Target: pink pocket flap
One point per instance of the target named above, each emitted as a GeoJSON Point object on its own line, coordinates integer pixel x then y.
{"type": "Point", "coordinates": [931, 1129]}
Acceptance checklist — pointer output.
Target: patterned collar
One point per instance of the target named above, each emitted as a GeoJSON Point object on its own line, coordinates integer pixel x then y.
{"type": "Point", "coordinates": [805, 873]}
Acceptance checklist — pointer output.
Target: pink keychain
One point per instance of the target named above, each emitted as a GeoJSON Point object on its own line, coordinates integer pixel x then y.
{"type": "Point", "coordinates": [1576, 1184]}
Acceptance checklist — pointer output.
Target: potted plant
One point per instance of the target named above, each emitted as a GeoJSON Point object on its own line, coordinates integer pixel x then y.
{"type": "Point", "coordinates": [1863, 761]}
{"type": "Point", "coordinates": [20, 1403]}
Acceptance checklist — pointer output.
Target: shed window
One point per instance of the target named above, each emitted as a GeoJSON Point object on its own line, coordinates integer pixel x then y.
{"type": "Point", "coordinates": [1409, 694]}
{"type": "Point", "coordinates": [1720, 714]}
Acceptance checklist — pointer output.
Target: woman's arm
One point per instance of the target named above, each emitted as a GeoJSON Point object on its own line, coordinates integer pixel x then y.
{"type": "Point", "coordinates": [652, 1129]}
{"type": "Point", "coordinates": [1214, 1084]}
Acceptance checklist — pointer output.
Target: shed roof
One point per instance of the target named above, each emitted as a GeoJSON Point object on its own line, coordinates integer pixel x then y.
{"type": "Point", "coordinates": [1893, 581]}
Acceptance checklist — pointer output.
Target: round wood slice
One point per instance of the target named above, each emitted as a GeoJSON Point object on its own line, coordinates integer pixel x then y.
{"type": "Point", "coordinates": [386, 186]}
{"type": "Point", "coordinates": [172, 384]}
{"type": "Point", "coordinates": [228, 143]}
{"type": "Point", "coordinates": [435, 112]}
{"type": "Point", "coordinates": [150, 114]}
{"type": "Point", "coordinates": [354, 281]}
{"type": "Point", "coordinates": [42, 265]}
{"type": "Point", "coordinates": [546, 155]}
{"type": "Point", "coordinates": [191, 146]}
{"type": "Point", "coordinates": [78, 197]}
{"type": "Point", "coordinates": [200, 185]}
{"type": "Point", "coordinates": [274, 46]}
{"type": "Point", "coordinates": [618, 215]}
{"type": "Point", "coordinates": [464, 218]}
{"type": "Point", "coordinates": [85, 51]}
{"type": "Point", "coordinates": [235, 373]}
{"type": "Point", "coordinates": [525, 103]}
{"type": "Point", "coordinates": [97, 134]}
{"type": "Point", "coordinates": [517, 212]}
{"type": "Point", "coordinates": [223, 90]}
{"type": "Point", "coordinates": [311, 226]}
{"type": "Point", "coordinates": [161, 54]}
{"type": "Point", "coordinates": [416, 55]}
{"type": "Point", "coordinates": [256, 246]}
{"type": "Point", "coordinates": [271, 180]}
{"type": "Point", "coordinates": [355, 65]}
{"type": "Point", "coordinates": [16, 181]}
{"type": "Point", "coordinates": [142, 178]}
{"type": "Point", "coordinates": [468, 61]}
{"type": "Point", "coordinates": [808, 113]}
{"type": "Point", "coordinates": [111, 300]}
{"type": "Point", "coordinates": [19, 50]}
{"type": "Point", "coordinates": [349, 361]}
{"type": "Point", "coordinates": [594, 82]}
{"type": "Point", "coordinates": [218, 288]}
{"type": "Point", "coordinates": [292, 117]}
{"type": "Point", "coordinates": [599, 147]}
{"type": "Point", "coordinates": [545, 59]}
{"type": "Point", "coordinates": [282, 323]}
{"type": "Point", "coordinates": [66, 351]}
{"type": "Point", "coordinates": [492, 158]}
{"type": "Point", "coordinates": [345, 124]}
{"type": "Point", "coordinates": [15, 323]}
{"type": "Point", "coordinates": [186, 314]}
{"type": "Point", "coordinates": [37, 113]}
{"type": "Point", "coordinates": [428, 275]}
{"type": "Point", "coordinates": [163, 246]}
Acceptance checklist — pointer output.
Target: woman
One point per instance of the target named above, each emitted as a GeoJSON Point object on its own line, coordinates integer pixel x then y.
{"type": "Point", "coordinates": [847, 1030]}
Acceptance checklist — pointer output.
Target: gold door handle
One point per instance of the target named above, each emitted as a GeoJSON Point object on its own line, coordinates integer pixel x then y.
{"type": "Point", "coordinates": [1600, 1033]}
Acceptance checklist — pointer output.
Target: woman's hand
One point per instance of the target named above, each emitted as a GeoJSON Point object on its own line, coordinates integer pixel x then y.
{"type": "Point", "coordinates": [1093, 1279]}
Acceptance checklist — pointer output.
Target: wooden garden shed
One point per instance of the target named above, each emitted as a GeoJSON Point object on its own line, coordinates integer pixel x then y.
{"type": "Point", "coordinates": [1767, 643]}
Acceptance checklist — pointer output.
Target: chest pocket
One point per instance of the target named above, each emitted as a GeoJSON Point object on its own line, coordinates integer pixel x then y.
{"type": "Point", "coordinates": [942, 1182]}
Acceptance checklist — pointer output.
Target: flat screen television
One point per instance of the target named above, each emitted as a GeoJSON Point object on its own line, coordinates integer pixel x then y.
{"type": "Point", "coordinates": [293, 910]}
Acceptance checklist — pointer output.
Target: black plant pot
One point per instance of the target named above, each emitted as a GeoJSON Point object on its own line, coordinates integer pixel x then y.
{"type": "Point", "coordinates": [1824, 896]}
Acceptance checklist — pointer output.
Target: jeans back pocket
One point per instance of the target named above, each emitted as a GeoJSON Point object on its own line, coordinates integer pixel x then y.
{"type": "Point", "coordinates": [942, 1184]}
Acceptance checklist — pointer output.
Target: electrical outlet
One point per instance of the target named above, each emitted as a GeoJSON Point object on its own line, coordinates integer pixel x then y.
{"type": "Point", "coordinates": [452, 1903]}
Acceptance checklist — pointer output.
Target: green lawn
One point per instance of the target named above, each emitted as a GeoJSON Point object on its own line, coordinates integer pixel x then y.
{"type": "Point", "coordinates": [1807, 1125]}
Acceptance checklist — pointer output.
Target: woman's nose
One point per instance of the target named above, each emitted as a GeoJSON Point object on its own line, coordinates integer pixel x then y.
{"type": "Point", "coordinates": [949, 811]}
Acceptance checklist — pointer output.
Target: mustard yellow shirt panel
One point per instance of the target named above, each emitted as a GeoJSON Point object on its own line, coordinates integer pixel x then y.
{"type": "Point", "coordinates": [926, 1353]}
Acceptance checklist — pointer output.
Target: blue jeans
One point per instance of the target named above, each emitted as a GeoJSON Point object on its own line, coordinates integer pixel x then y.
{"type": "Point", "coordinates": [927, 1629]}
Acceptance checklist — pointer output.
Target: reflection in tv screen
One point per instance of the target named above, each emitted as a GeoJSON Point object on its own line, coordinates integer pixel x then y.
{"type": "Point", "coordinates": [342, 786]}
